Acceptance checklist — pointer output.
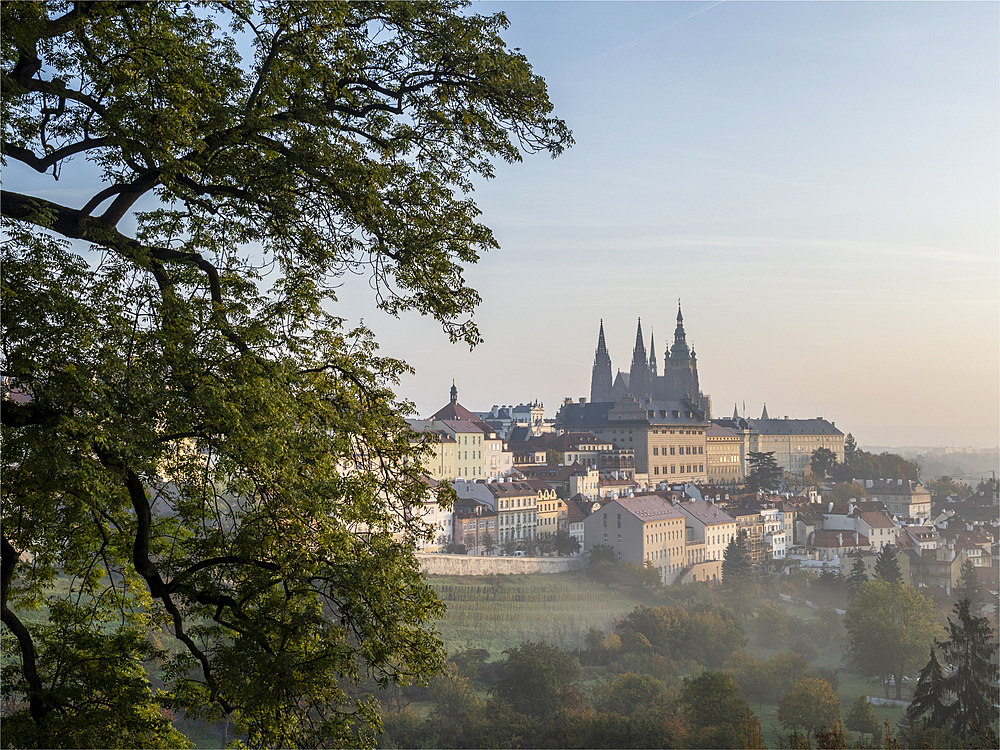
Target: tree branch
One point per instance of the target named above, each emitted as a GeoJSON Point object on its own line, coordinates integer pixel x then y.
{"type": "Point", "coordinates": [37, 706]}
{"type": "Point", "coordinates": [41, 164]}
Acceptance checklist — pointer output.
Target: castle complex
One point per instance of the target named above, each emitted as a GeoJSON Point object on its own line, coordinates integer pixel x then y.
{"type": "Point", "coordinates": [679, 381]}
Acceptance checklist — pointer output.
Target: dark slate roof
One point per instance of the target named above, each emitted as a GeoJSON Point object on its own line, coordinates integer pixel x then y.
{"type": "Point", "coordinates": [794, 427]}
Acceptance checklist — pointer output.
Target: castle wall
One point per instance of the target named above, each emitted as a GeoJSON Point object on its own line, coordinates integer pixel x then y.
{"type": "Point", "coordinates": [469, 565]}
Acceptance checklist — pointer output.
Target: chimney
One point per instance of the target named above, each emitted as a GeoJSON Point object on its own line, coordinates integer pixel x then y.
{"type": "Point", "coordinates": [567, 401]}
{"type": "Point", "coordinates": [583, 400]}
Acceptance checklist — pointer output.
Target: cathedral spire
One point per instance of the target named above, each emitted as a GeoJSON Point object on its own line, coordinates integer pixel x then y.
{"type": "Point", "coordinates": [736, 414]}
{"type": "Point", "coordinates": [652, 353]}
{"type": "Point", "coordinates": [639, 376]}
{"type": "Point", "coordinates": [764, 413]}
{"type": "Point", "coordinates": [600, 379]}
{"type": "Point", "coordinates": [680, 347]}
{"type": "Point", "coordinates": [601, 346]}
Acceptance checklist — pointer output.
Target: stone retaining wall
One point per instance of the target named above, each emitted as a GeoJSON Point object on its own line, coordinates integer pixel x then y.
{"type": "Point", "coordinates": [470, 565]}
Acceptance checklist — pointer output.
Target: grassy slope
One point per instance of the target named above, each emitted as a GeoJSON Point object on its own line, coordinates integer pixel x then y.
{"type": "Point", "coordinates": [560, 608]}
{"type": "Point", "coordinates": [503, 612]}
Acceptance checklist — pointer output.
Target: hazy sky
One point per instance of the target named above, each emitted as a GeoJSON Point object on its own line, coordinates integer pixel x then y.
{"type": "Point", "coordinates": [818, 182]}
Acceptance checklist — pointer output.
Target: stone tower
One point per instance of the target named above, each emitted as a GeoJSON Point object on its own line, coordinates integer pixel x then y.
{"type": "Point", "coordinates": [600, 379]}
{"type": "Point", "coordinates": [639, 381]}
{"type": "Point", "coordinates": [680, 368]}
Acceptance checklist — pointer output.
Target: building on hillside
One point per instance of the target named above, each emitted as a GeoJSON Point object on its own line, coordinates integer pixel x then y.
{"type": "Point", "coordinates": [793, 441]}
{"type": "Point", "coordinates": [904, 498]}
{"type": "Point", "coordinates": [709, 524]}
{"type": "Point", "coordinates": [641, 529]}
{"type": "Point", "coordinates": [878, 528]}
{"type": "Point", "coordinates": [576, 514]}
{"type": "Point", "coordinates": [475, 526]}
{"type": "Point", "coordinates": [724, 455]}
{"type": "Point", "coordinates": [749, 521]}
{"type": "Point", "coordinates": [678, 382]}
{"type": "Point", "coordinates": [830, 546]}
{"type": "Point", "coordinates": [441, 522]}
{"type": "Point", "coordinates": [667, 437]}
{"type": "Point", "coordinates": [439, 462]}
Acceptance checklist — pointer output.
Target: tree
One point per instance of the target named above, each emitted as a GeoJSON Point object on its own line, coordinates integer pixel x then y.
{"type": "Point", "coordinates": [489, 544]}
{"type": "Point", "coordinates": [765, 474]}
{"type": "Point", "coordinates": [929, 704]}
{"type": "Point", "coordinates": [535, 676]}
{"type": "Point", "coordinates": [970, 650]}
{"type": "Point", "coordinates": [715, 708]}
{"type": "Point", "coordinates": [887, 566]}
{"type": "Point", "coordinates": [861, 717]}
{"type": "Point", "coordinates": [736, 563]}
{"type": "Point", "coordinates": [889, 627]}
{"type": "Point", "coordinates": [850, 449]}
{"type": "Point", "coordinates": [190, 435]}
{"type": "Point", "coordinates": [822, 461]}
{"type": "Point", "coordinates": [566, 544]}
{"type": "Point", "coordinates": [554, 457]}
{"type": "Point", "coordinates": [968, 586]}
{"type": "Point", "coordinates": [857, 578]}
{"type": "Point", "coordinates": [811, 704]}
{"type": "Point", "coordinates": [633, 695]}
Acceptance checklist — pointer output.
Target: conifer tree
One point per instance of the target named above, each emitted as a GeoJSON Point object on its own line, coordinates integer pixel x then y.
{"type": "Point", "coordinates": [970, 651]}
{"type": "Point", "coordinates": [736, 563]}
{"type": "Point", "coordinates": [765, 474]}
{"type": "Point", "coordinates": [929, 698]}
{"type": "Point", "coordinates": [857, 577]}
{"type": "Point", "coordinates": [887, 566]}
{"type": "Point", "coordinates": [968, 586]}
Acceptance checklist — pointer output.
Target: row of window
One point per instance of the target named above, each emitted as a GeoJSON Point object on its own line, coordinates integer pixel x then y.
{"type": "Point", "coordinates": [682, 450]}
{"type": "Point", "coordinates": [684, 469]}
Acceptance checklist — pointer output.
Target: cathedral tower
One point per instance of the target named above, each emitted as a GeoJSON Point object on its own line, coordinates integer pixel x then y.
{"type": "Point", "coordinates": [639, 384]}
{"type": "Point", "coordinates": [600, 379]}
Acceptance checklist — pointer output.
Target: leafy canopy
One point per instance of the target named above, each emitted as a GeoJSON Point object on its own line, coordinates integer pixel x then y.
{"type": "Point", "coordinates": [195, 447]}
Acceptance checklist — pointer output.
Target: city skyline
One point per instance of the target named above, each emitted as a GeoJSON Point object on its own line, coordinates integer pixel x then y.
{"type": "Point", "coordinates": [817, 182]}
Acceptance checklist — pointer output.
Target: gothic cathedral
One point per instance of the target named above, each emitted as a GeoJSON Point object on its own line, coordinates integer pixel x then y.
{"type": "Point", "coordinates": [679, 381]}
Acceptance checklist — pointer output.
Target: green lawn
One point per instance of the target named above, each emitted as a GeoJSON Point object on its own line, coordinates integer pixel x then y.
{"type": "Point", "coordinates": [505, 611]}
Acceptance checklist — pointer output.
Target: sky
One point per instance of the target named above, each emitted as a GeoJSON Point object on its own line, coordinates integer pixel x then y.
{"type": "Point", "coordinates": [817, 182]}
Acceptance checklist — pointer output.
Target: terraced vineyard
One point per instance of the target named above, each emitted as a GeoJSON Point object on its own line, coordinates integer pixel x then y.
{"type": "Point", "coordinates": [498, 612]}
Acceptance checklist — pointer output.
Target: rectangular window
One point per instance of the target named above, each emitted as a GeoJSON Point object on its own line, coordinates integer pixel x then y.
{"type": "Point", "coordinates": [619, 538]}
{"type": "Point", "coordinates": [671, 450]}
{"type": "Point", "coordinates": [701, 449]}
{"type": "Point", "coordinates": [656, 469]}
{"type": "Point", "coordinates": [619, 520]}
{"type": "Point", "coordinates": [656, 451]}
{"type": "Point", "coordinates": [673, 469]}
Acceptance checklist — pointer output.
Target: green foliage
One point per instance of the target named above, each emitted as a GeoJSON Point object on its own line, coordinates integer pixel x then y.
{"type": "Point", "coordinates": [206, 450]}
{"type": "Point", "coordinates": [887, 566]}
{"type": "Point", "coordinates": [822, 461]}
{"type": "Point", "coordinates": [736, 564]}
{"type": "Point", "coordinates": [890, 626]}
{"type": "Point", "coordinates": [566, 544]}
{"type": "Point", "coordinates": [929, 705]}
{"type": "Point", "coordinates": [707, 635]}
{"type": "Point", "coordinates": [715, 708]}
{"type": "Point", "coordinates": [857, 577]}
{"type": "Point", "coordinates": [765, 474]}
{"type": "Point", "coordinates": [971, 650]}
{"type": "Point", "coordinates": [535, 678]}
{"type": "Point", "coordinates": [861, 717]}
{"type": "Point", "coordinates": [967, 587]}
{"type": "Point", "coordinates": [811, 704]}
{"type": "Point", "coordinates": [633, 695]}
